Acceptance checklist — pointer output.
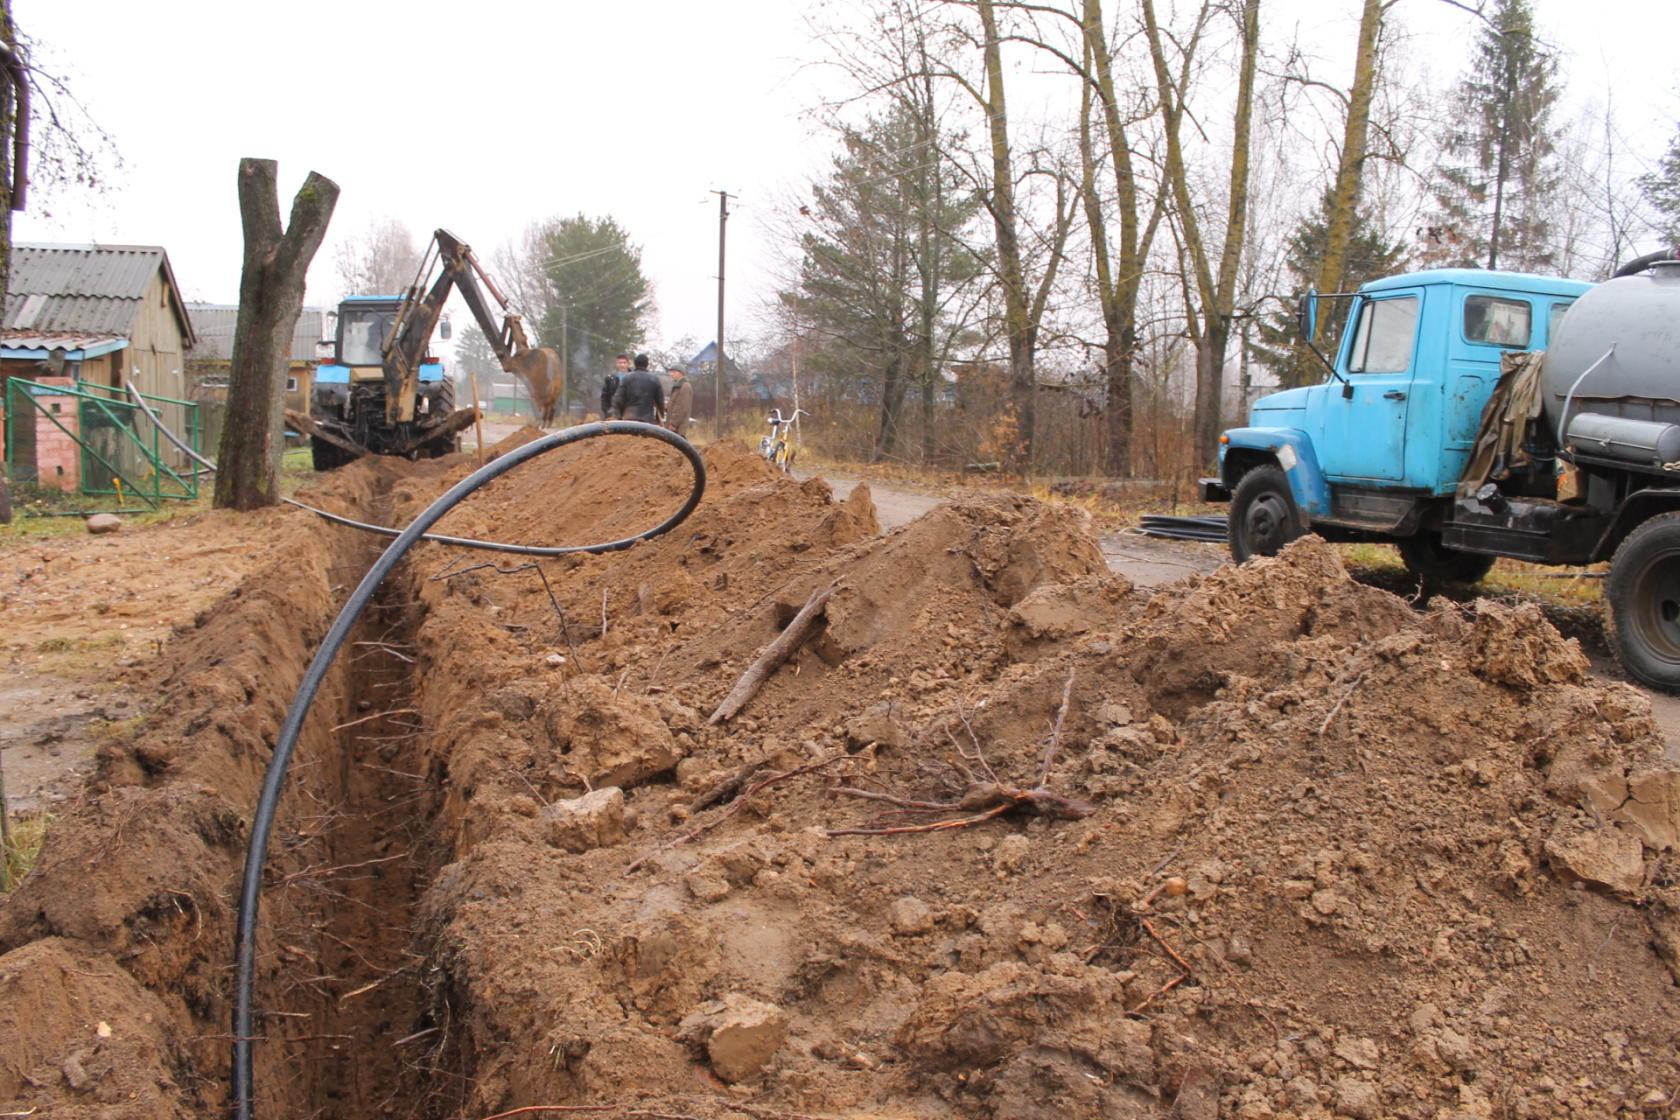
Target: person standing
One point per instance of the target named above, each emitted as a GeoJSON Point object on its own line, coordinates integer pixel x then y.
{"type": "Point", "coordinates": [640, 396]}
{"type": "Point", "coordinates": [681, 401]}
{"type": "Point", "coordinates": [609, 384]}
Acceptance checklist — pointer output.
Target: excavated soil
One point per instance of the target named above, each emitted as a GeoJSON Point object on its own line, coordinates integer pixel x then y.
{"type": "Point", "coordinates": [1005, 837]}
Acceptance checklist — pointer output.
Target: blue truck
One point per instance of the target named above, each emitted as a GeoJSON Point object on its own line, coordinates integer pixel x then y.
{"type": "Point", "coordinates": [1469, 415]}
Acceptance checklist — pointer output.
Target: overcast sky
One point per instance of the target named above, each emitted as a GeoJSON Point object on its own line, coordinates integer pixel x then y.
{"type": "Point", "coordinates": [485, 117]}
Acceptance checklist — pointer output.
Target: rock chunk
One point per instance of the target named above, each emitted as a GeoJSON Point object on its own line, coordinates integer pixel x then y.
{"type": "Point", "coordinates": [595, 820]}
{"type": "Point", "coordinates": [910, 916]}
{"type": "Point", "coordinates": [739, 1034]}
{"type": "Point", "coordinates": [1607, 857]}
{"type": "Point", "coordinates": [104, 523]}
{"type": "Point", "coordinates": [1653, 808]}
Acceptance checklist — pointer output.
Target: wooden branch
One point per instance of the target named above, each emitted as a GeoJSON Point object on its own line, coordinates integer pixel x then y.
{"type": "Point", "coordinates": [1055, 733]}
{"type": "Point", "coordinates": [307, 425]}
{"type": "Point", "coordinates": [774, 654]}
{"type": "Point", "coordinates": [734, 807]}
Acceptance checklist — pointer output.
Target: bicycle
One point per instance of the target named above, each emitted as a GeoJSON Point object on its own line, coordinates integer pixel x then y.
{"type": "Point", "coordinates": [779, 447]}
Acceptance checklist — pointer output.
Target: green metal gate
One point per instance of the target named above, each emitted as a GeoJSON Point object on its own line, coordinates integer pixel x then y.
{"type": "Point", "coordinates": [122, 452]}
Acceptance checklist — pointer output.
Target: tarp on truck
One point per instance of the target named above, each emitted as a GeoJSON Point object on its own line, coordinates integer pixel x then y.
{"type": "Point", "coordinates": [1511, 411]}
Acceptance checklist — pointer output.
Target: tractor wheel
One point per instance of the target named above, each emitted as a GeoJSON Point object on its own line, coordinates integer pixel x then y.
{"type": "Point", "coordinates": [1264, 516]}
{"type": "Point", "coordinates": [1644, 595]}
{"type": "Point", "coordinates": [1433, 562]}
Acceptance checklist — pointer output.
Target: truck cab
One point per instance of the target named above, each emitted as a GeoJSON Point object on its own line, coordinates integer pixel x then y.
{"type": "Point", "coordinates": [1378, 448]}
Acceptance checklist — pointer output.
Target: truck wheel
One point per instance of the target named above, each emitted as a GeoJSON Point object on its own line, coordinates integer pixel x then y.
{"type": "Point", "coordinates": [1264, 516]}
{"type": "Point", "coordinates": [1433, 562]}
{"type": "Point", "coordinates": [1644, 594]}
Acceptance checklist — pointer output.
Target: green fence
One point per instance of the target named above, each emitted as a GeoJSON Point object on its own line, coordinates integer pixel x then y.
{"type": "Point", "coordinates": [121, 451]}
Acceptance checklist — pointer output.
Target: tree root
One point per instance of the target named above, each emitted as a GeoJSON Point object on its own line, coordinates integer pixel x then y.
{"type": "Point", "coordinates": [982, 800]}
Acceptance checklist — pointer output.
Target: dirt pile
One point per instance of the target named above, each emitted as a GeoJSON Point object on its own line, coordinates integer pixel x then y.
{"type": "Point", "coordinates": [1265, 843]}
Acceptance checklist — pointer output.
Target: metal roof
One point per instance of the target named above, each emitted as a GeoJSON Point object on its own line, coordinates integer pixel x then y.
{"type": "Point", "coordinates": [214, 323]}
{"type": "Point", "coordinates": [88, 289]}
{"type": "Point", "coordinates": [75, 344]}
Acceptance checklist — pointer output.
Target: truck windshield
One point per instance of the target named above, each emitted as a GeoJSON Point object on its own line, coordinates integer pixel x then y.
{"type": "Point", "coordinates": [1382, 342]}
{"type": "Point", "coordinates": [364, 337]}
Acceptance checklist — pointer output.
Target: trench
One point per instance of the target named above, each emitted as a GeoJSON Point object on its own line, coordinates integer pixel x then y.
{"type": "Point", "coordinates": [344, 923]}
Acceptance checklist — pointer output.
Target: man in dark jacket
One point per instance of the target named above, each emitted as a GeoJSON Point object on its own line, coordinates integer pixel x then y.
{"type": "Point", "coordinates": [640, 396]}
{"type": "Point", "coordinates": [609, 384]}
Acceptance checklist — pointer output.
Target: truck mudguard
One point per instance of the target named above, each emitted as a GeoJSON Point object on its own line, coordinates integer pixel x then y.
{"type": "Point", "coordinates": [1291, 449]}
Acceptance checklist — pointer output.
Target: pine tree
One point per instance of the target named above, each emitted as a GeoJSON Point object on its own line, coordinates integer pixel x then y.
{"type": "Point", "coordinates": [880, 259]}
{"type": "Point", "coordinates": [601, 299]}
{"type": "Point", "coordinates": [1369, 256]}
{"type": "Point", "coordinates": [1662, 190]}
{"type": "Point", "coordinates": [1499, 169]}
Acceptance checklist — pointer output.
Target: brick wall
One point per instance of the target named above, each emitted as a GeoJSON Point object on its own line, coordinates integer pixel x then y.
{"type": "Point", "coordinates": [58, 457]}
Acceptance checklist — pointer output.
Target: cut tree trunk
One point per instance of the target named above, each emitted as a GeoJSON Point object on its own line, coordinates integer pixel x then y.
{"type": "Point", "coordinates": [270, 299]}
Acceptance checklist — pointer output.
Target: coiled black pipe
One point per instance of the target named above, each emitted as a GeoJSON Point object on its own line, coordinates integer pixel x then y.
{"type": "Point", "coordinates": [245, 934]}
{"type": "Point", "coordinates": [468, 542]}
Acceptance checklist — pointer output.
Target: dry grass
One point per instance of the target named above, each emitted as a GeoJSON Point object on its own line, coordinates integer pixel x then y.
{"type": "Point", "coordinates": [27, 832]}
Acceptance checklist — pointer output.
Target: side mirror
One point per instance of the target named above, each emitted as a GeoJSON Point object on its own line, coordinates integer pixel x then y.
{"type": "Point", "coordinates": [1306, 314]}
{"type": "Point", "coordinates": [445, 330]}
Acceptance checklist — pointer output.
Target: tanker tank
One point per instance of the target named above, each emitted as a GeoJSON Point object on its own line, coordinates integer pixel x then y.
{"type": "Point", "coordinates": [1624, 337]}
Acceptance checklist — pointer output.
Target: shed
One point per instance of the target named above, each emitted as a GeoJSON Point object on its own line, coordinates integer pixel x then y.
{"type": "Point", "coordinates": [81, 316]}
{"type": "Point", "coordinates": [113, 311]}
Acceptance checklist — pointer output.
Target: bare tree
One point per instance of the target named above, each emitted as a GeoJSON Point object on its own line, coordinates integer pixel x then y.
{"type": "Point", "coordinates": [1210, 291]}
{"type": "Point", "coordinates": [270, 299]}
{"type": "Point", "coordinates": [1106, 141]}
{"type": "Point", "coordinates": [1024, 300]}
{"type": "Point", "coordinates": [519, 269]}
{"type": "Point", "coordinates": [381, 260]}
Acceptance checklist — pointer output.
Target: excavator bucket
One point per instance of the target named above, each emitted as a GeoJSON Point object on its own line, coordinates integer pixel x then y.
{"type": "Point", "coordinates": [540, 370]}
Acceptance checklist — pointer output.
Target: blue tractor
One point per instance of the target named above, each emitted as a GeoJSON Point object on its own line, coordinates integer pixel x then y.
{"type": "Point", "coordinates": [384, 394]}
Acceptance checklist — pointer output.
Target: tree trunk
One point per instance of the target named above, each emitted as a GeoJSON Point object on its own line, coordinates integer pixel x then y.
{"type": "Point", "coordinates": [1217, 319]}
{"type": "Point", "coordinates": [14, 129]}
{"type": "Point", "coordinates": [1215, 291]}
{"type": "Point", "coordinates": [270, 300]}
{"type": "Point", "coordinates": [1122, 280]}
{"type": "Point", "coordinates": [1017, 315]}
{"type": "Point", "coordinates": [1355, 139]}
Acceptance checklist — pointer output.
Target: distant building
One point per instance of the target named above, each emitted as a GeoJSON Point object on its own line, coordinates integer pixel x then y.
{"type": "Point", "coordinates": [210, 360]}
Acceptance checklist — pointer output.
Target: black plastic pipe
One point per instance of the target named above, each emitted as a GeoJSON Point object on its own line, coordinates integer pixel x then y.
{"type": "Point", "coordinates": [468, 542]}
{"type": "Point", "coordinates": [262, 823]}
{"type": "Point", "coordinates": [1640, 264]}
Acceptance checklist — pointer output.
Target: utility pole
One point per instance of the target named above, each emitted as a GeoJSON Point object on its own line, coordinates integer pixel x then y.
{"type": "Point", "coordinates": [723, 221]}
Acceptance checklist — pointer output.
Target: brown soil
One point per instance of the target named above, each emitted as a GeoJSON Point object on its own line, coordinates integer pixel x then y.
{"type": "Point", "coordinates": [1299, 850]}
